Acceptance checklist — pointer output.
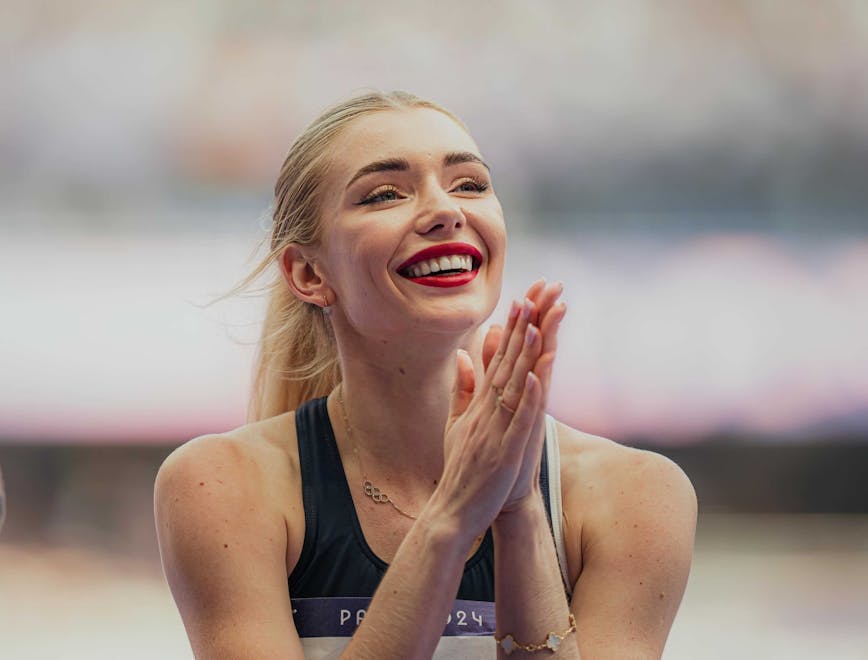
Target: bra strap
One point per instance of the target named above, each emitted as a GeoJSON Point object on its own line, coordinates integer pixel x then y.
{"type": "Point", "coordinates": [553, 459]}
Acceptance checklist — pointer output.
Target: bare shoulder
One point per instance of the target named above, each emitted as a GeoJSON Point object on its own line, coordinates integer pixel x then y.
{"type": "Point", "coordinates": [212, 475]}
{"type": "Point", "coordinates": [631, 518]}
{"type": "Point", "coordinates": [222, 534]}
{"type": "Point", "coordinates": [218, 481]}
{"type": "Point", "coordinates": [245, 455]}
{"type": "Point", "coordinates": [607, 476]}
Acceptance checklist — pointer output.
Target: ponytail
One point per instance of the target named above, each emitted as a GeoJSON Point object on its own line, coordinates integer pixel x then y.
{"type": "Point", "coordinates": [296, 360]}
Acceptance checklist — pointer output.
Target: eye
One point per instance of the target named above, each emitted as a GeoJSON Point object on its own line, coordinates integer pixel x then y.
{"type": "Point", "coordinates": [379, 195]}
{"type": "Point", "coordinates": [472, 185]}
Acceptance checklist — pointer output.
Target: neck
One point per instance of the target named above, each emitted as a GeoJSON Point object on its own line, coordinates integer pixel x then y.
{"type": "Point", "coordinates": [396, 398]}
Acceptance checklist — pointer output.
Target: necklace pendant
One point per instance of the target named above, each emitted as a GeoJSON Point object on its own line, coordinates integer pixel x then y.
{"type": "Point", "coordinates": [376, 494]}
{"type": "Point", "coordinates": [370, 490]}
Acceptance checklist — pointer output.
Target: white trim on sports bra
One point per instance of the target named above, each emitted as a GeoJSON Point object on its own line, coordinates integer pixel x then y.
{"type": "Point", "coordinates": [553, 460]}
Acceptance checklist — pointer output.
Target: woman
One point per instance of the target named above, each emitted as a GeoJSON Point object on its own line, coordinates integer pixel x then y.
{"type": "Point", "coordinates": [397, 459]}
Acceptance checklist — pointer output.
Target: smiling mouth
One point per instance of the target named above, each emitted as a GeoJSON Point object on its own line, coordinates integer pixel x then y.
{"type": "Point", "coordinates": [443, 265]}
{"type": "Point", "coordinates": [439, 267]}
{"type": "Point", "coordinates": [443, 271]}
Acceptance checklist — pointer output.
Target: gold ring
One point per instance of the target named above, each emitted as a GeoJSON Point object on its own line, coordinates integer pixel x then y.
{"type": "Point", "coordinates": [500, 403]}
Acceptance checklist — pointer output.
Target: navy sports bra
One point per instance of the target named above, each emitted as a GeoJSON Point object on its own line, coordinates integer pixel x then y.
{"type": "Point", "coordinates": [337, 572]}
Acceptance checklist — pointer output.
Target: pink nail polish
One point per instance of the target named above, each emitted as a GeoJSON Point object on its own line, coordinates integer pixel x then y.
{"type": "Point", "coordinates": [513, 311]}
{"type": "Point", "coordinates": [530, 335]}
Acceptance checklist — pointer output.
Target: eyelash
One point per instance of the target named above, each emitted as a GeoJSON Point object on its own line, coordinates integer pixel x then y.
{"type": "Point", "coordinates": [379, 192]}
{"type": "Point", "coordinates": [479, 185]}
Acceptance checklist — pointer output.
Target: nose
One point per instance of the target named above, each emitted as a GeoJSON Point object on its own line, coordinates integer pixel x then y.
{"type": "Point", "coordinates": [440, 213]}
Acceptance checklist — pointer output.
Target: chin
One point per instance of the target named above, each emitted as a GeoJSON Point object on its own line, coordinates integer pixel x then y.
{"type": "Point", "coordinates": [454, 317]}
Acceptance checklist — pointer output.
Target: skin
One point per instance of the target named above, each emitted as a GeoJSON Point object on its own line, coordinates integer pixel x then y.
{"type": "Point", "coordinates": [427, 428]}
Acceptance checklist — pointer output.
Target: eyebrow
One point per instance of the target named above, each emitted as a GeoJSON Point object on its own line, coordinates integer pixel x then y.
{"type": "Point", "coordinates": [402, 165]}
{"type": "Point", "coordinates": [385, 165]}
{"type": "Point", "coordinates": [458, 157]}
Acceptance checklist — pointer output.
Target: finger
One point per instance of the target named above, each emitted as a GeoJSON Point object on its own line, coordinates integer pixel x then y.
{"type": "Point", "coordinates": [516, 436]}
{"type": "Point", "coordinates": [542, 294]}
{"type": "Point", "coordinates": [550, 325]}
{"type": "Point", "coordinates": [536, 289]}
{"type": "Point", "coordinates": [503, 367]}
{"type": "Point", "coordinates": [545, 362]}
{"type": "Point", "coordinates": [524, 363]}
{"type": "Point", "coordinates": [462, 388]}
{"type": "Point", "coordinates": [543, 370]}
{"type": "Point", "coordinates": [546, 301]}
{"type": "Point", "coordinates": [503, 342]}
{"type": "Point", "coordinates": [515, 311]}
{"type": "Point", "coordinates": [490, 344]}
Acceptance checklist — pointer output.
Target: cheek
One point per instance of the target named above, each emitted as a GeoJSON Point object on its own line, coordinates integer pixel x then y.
{"type": "Point", "coordinates": [496, 233]}
{"type": "Point", "coordinates": [492, 211]}
{"type": "Point", "coordinates": [359, 263]}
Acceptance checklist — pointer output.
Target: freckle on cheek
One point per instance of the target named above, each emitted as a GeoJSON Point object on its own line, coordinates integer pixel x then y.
{"type": "Point", "coordinates": [201, 483]}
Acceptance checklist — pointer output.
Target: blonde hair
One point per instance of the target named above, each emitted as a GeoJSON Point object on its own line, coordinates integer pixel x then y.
{"type": "Point", "coordinates": [297, 357]}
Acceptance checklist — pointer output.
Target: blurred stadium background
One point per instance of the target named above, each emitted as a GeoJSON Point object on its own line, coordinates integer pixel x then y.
{"type": "Point", "coordinates": [694, 172]}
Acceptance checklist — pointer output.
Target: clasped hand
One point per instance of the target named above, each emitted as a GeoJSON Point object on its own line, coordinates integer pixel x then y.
{"type": "Point", "coordinates": [496, 429]}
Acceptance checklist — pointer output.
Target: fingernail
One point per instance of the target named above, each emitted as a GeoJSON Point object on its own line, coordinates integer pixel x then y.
{"type": "Point", "coordinates": [513, 310]}
{"type": "Point", "coordinates": [526, 308]}
{"type": "Point", "coordinates": [531, 334]}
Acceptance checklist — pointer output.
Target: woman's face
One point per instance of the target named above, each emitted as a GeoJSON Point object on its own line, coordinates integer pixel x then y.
{"type": "Point", "coordinates": [413, 235]}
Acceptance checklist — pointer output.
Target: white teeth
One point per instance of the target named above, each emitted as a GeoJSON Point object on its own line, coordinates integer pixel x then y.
{"type": "Point", "coordinates": [435, 265]}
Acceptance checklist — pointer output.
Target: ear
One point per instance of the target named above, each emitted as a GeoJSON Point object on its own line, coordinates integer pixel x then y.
{"type": "Point", "coordinates": [304, 276]}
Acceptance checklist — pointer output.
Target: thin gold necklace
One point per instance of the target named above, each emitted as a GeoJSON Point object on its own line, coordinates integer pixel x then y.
{"type": "Point", "coordinates": [370, 490]}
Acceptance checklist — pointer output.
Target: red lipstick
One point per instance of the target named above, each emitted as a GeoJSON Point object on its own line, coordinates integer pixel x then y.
{"type": "Point", "coordinates": [442, 281]}
{"type": "Point", "coordinates": [443, 249]}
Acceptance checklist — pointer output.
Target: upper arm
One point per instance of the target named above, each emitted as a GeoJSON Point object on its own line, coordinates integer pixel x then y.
{"type": "Point", "coordinates": [224, 552]}
{"type": "Point", "coordinates": [637, 548]}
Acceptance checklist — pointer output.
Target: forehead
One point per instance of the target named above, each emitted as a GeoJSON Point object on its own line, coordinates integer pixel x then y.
{"type": "Point", "coordinates": [411, 133]}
